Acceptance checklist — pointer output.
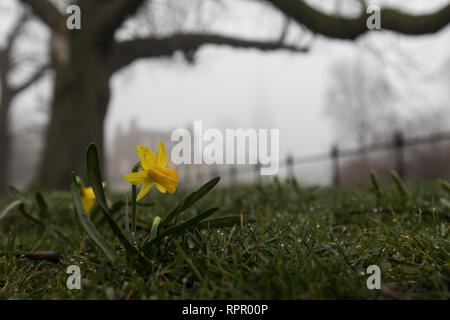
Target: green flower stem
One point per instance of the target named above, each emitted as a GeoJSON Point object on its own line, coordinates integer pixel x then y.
{"type": "Point", "coordinates": [133, 203]}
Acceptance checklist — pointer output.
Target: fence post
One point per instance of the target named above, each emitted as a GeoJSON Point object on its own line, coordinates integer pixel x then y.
{"type": "Point", "coordinates": [233, 172]}
{"type": "Point", "coordinates": [290, 167]}
{"type": "Point", "coordinates": [399, 144]}
{"type": "Point", "coordinates": [335, 159]}
{"type": "Point", "coordinates": [258, 172]}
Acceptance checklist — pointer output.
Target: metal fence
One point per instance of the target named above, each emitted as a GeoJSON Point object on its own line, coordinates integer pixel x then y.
{"type": "Point", "coordinates": [398, 145]}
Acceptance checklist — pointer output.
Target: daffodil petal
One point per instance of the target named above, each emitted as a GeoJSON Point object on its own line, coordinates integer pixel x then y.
{"type": "Point", "coordinates": [144, 190]}
{"type": "Point", "coordinates": [160, 188]}
{"type": "Point", "coordinates": [161, 155]}
{"type": "Point", "coordinates": [136, 178]}
{"type": "Point", "coordinates": [88, 193]}
{"type": "Point", "coordinates": [166, 177]}
{"type": "Point", "coordinates": [88, 203]}
{"type": "Point", "coordinates": [147, 157]}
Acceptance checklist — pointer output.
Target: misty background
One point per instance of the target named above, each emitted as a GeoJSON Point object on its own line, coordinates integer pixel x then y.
{"type": "Point", "coordinates": [343, 92]}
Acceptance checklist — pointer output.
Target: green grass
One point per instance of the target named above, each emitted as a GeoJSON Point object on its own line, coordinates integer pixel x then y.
{"type": "Point", "coordinates": [306, 243]}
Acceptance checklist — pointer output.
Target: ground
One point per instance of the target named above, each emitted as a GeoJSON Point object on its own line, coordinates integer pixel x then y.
{"type": "Point", "coordinates": [306, 243]}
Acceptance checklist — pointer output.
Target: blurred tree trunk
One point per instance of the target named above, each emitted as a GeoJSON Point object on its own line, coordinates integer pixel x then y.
{"type": "Point", "coordinates": [80, 99]}
{"type": "Point", "coordinates": [5, 146]}
{"type": "Point", "coordinates": [8, 93]}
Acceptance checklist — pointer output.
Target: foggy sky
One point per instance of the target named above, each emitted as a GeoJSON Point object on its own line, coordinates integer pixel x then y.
{"type": "Point", "coordinates": [230, 88]}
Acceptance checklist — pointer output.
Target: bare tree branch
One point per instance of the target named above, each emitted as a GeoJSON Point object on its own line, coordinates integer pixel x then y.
{"type": "Point", "coordinates": [351, 28]}
{"type": "Point", "coordinates": [285, 29]}
{"type": "Point", "coordinates": [114, 13]}
{"type": "Point", "coordinates": [46, 12]}
{"type": "Point", "coordinates": [34, 78]}
{"type": "Point", "coordinates": [128, 51]}
{"type": "Point", "coordinates": [16, 30]}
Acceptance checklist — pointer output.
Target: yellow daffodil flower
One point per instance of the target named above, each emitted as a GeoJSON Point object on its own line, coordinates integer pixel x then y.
{"type": "Point", "coordinates": [87, 198]}
{"type": "Point", "coordinates": [154, 171]}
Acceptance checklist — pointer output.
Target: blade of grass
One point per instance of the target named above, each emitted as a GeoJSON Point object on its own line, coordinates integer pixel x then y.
{"type": "Point", "coordinates": [376, 185]}
{"type": "Point", "coordinates": [407, 196]}
{"type": "Point", "coordinates": [88, 225]}
{"type": "Point", "coordinates": [445, 185]}
{"type": "Point", "coordinates": [224, 222]}
{"type": "Point", "coordinates": [30, 216]}
{"type": "Point", "coordinates": [9, 207]}
{"type": "Point", "coordinates": [180, 228]}
{"type": "Point", "coordinates": [189, 201]}
{"type": "Point", "coordinates": [19, 195]}
{"type": "Point", "coordinates": [42, 204]}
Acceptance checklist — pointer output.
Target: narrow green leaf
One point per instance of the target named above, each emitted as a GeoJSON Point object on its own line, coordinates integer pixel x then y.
{"type": "Point", "coordinates": [376, 185]}
{"type": "Point", "coordinates": [180, 228]}
{"type": "Point", "coordinates": [42, 204]}
{"type": "Point", "coordinates": [445, 185]}
{"type": "Point", "coordinates": [446, 203]}
{"type": "Point", "coordinates": [95, 179]}
{"type": "Point", "coordinates": [19, 195]}
{"type": "Point", "coordinates": [225, 222]}
{"type": "Point", "coordinates": [401, 186]}
{"type": "Point", "coordinates": [88, 225]}
{"type": "Point", "coordinates": [9, 207]}
{"type": "Point", "coordinates": [189, 201]}
{"type": "Point", "coordinates": [30, 216]}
